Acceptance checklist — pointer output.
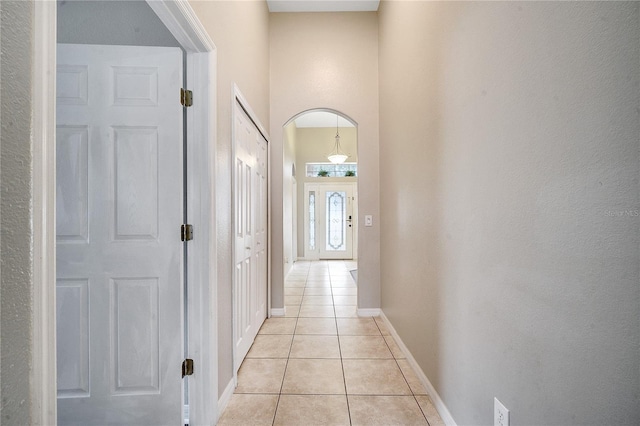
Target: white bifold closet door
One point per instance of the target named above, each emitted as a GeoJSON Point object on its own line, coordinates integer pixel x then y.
{"type": "Point", "coordinates": [250, 233]}
{"type": "Point", "coordinates": [119, 254]}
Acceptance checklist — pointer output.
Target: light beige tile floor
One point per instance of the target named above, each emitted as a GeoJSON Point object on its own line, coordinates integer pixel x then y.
{"type": "Point", "coordinates": [321, 364]}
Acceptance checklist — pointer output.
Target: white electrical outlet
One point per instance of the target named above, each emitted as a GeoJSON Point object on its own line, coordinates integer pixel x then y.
{"type": "Point", "coordinates": [500, 413]}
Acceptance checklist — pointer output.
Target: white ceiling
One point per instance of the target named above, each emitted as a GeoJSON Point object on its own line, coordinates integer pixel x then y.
{"type": "Point", "coordinates": [323, 5]}
{"type": "Point", "coordinates": [321, 119]}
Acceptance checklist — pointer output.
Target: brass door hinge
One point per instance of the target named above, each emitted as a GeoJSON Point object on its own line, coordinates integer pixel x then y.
{"type": "Point", "coordinates": [187, 367]}
{"type": "Point", "coordinates": [186, 98]}
{"type": "Point", "coordinates": [186, 232]}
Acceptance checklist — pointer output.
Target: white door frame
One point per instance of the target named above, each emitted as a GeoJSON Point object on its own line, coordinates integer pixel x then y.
{"type": "Point", "coordinates": [180, 19]}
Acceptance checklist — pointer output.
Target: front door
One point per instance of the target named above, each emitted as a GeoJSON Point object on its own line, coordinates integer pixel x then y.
{"type": "Point", "coordinates": [329, 220]}
{"type": "Point", "coordinates": [119, 254]}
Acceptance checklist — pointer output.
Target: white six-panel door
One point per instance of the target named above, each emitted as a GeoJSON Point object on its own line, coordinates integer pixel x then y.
{"type": "Point", "coordinates": [119, 254]}
{"type": "Point", "coordinates": [250, 233]}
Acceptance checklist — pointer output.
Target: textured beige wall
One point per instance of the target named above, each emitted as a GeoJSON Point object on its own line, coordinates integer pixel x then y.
{"type": "Point", "coordinates": [16, 251]}
{"type": "Point", "coordinates": [240, 31]}
{"type": "Point", "coordinates": [509, 167]}
{"type": "Point", "coordinates": [322, 60]}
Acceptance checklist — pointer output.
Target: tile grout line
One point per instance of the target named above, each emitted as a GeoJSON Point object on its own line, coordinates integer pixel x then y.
{"type": "Point", "coordinates": [344, 377]}
{"type": "Point", "coordinates": [335, 320]}
{"type": "Point", "coordinates": [275, 412]}
{"type": "Point", "coordinates": [388, 345]}
{"type": "Point", "coordinates": [413, 394]}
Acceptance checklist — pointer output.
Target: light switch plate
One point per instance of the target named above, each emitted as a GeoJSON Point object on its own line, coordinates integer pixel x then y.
{"type": "Point", "coordinates": [500, 413]}
{"type": "Point", "coordinates": [368, 220]}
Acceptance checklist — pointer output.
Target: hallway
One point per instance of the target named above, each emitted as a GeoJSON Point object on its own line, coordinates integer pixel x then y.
{"type": "Point", "coordinates": [323, 365]}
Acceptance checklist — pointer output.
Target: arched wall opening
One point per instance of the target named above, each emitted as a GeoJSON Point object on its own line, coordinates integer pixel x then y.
{"type": "Point", "coordinates": [311, 231]}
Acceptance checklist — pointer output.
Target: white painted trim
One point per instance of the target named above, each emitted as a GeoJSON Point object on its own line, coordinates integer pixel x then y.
{"type": "Point", "coordinates": [435, 397]}
{"type": "Point", "coordinates": [294, 222]}
{"type": "Point", "coordinates": [369, 312]}
{"type": "Point", "coordinates": [269, 216]}
{"type": "Point", "coordinates": [42, 379]}
{"type": "Point", "coordinates": [202, 285]}
{"type": "Point", "coordinates": [329, 110]}
{"type": "Point", "coordinates": [225, 398]}
{"type": "Point", "coordinates": [237, 94]}
{"type": "Point", "coordinates": [201, 55]}
{"type": "Point", "coordinates": [184, 25]}
{"type": "Point", "coordinates": [234, 336]}
{"type": "Point", "coordinates": [278, 312]}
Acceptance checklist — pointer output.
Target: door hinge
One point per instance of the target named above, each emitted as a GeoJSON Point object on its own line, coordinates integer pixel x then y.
{"type": "Point", "coordinates": [186, 232]}
{"type": "Point", "coordinates": [186, 98]}
{"type": "Point", "coordinates": [187, 367]}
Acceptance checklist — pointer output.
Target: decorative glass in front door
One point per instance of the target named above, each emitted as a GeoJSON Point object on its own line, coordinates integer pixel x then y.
{"type": "Point", "coordinates": [336, 215]}
{"type": "Point", "coordinates": [312, 220]}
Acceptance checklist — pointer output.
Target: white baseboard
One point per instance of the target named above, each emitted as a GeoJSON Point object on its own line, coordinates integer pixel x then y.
{"type": "Point", "coordinates": [437, 401]}
{"type": "Point", "coordinates": [369, 312]}
{"type": "Point", "coordinates": [278, 312]}
{"type": "Point", "coordinates": [225, 398]}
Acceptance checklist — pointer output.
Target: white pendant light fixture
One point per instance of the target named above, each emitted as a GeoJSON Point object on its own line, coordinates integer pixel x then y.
{"type": "Point", "coordinates": [337, 156]}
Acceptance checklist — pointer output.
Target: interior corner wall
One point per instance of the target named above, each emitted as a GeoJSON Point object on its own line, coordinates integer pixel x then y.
{"type": "Point", "coordinates": [240, 31]}
{"type": "Point", "coordinates": [16, 174]}
{"type": "Point", "coordinates": [328, 60]}
{"type": "Point", "coordinates": [510, 228]}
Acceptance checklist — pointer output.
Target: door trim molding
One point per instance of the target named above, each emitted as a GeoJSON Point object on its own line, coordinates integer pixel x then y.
{"type": "Point", "coordinates": [43, 358]}
{"type": "Point", "coordinates": [201, 53]}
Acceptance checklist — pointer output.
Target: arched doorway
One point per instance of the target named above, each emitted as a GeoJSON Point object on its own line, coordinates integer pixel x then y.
{"type": "Point", "coordinates": [320, 195]}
